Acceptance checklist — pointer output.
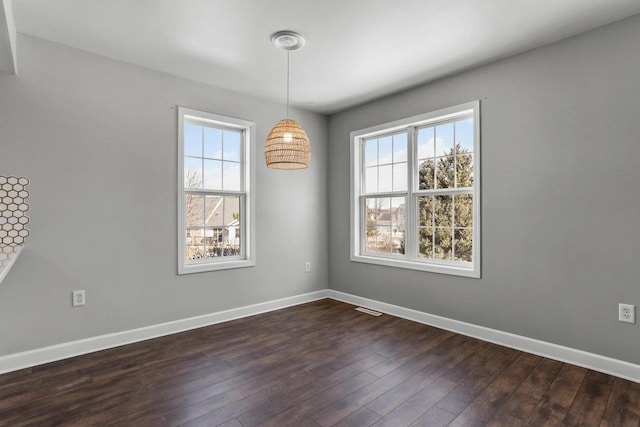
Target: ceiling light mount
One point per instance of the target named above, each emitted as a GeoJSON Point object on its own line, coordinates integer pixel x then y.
{"type": "Point", "coordinates": [287, 40]}
{"type": "Point", "coordinates": [288, 145]}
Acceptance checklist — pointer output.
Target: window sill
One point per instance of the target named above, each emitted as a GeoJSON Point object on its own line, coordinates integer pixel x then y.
{"type": "Point", "coordinates": [453, 270]}
{"type": "Point", "coordinates": [215, 266]}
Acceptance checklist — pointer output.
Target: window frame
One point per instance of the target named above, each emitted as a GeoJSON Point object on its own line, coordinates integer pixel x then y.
{"type": "Point", "coordinates": [247, 258]}
{"type": "Point", "coordinates": [410, 259]}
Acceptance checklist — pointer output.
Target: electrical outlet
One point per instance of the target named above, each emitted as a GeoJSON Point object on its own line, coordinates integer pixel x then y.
{"type": "Point", "coordinates": [307, 267]}
{"type": "Point", "coordinates": [77, 298]}
{"type": "Point", "coordinates": [627, 313]}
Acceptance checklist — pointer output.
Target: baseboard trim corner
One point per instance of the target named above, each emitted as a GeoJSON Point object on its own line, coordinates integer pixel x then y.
{"type": "Point", "coordinates": [27, 359]}
{"type": "Point", "coordinates": [596, 362]}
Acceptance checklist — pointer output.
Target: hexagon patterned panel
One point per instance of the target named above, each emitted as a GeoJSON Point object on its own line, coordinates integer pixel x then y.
{"type": "Point", "coordinates": [13, 219]}
{"type": "Point", "coordinates": [13, 210]}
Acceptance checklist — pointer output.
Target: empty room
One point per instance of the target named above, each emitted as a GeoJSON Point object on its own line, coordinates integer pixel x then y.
{"type": "Point", "coordinates": [319, 213]}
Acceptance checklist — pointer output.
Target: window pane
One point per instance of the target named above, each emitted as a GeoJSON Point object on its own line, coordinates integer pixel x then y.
{"type": "Point", "coordinates": [194, 216]}
{"type": "Point", "coordinates": [372, 231]}
{"type": "Point", "coordinates": [231, 244]}
{"type": "Point", "coordinates": [443, 212]}
{"type": "Point", "coordinates": [383, 239]}
{"type": "Point", "coordinates": [464, 170]}
{"type": "Point", "coordinates": [444, 139]}
{"type": "Point", "coordinates": [371, 180]}
{"type": "Point", "coordinates": [398, 224]}
{"type": "Point", "coordinates": [371, 219]}
{"type": "Point", "coordinates": [371, 152]}
{"type": "Point", "coordinates": [445, 175]}
{"type": "Point", "coordinates": [231, 145]}
{"type": "Point", "coordinates": [382, 231]}
{"type": "Point", "coordinates": [442, 243]}
{"type": "Point", "coordinates": [385, 147]}
{"type": "Point", "coordinates": [231, 211]}
{"type": "Point", "coordinates": [194, 243]}
{"type": "Point", "coordinates": [400, 147]}
{"type": "Point", "coordinates": [194, 210]}
{"type": "Point", "coordinates": [425, 211]}
{"type": "Point", "coordinates": [213, 242]}
{"type": "Point", "coordinates": [426, 143]}
{"type": "Point", "coordinates": [464, 135]}
{"type": "Point", "coordinates": [463, 205]}
{"type": "Point", "coordinates": [212, 174]}
{"type": "Point", "coordinates": [222, 217]}
{"type": "Point", "coordinates": [231, 238]}
{"type": "Point", "coordinates": [213, 143]}
{"type": "Point", "coordinates": [192, 172]}
{"type": "Point", "coordinates": [400, 177]}
{"type": "Point", "coordinates": [398, 210]}
{"type": "Point", "coordinates": [232, 176]}
{"type": "Point", "coordinates": [214, 211]}
{"type": "Point", "coordinates": [397, 237]}
{"type": "Point", "coordinates": [383, 210]}
{"type": "Point", "coordinates": [192, 140]}
{"type": "Point", "coordinates": [371, 211]}
{"type": "Point", "coordinates": [385, 178]}
{"type": "Point", "coordinates": [463, 244]}
{"type": "Point", "coordinates": [426, 173]}
{"type": "Point", "coordinates": [425, 243]}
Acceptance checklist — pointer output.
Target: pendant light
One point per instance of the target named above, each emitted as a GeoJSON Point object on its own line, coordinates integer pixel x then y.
{"type": "Point", "coordinates": [287, 145]}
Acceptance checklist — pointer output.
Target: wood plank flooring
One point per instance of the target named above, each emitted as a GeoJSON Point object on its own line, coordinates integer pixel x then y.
{"type": "Point", "coordinates": [317, 364]}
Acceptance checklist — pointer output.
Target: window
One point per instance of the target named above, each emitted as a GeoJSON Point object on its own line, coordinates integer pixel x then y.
{"type": "Point", "coordinates": [215, 200]}
{"type": "Point", "coordinates": [416, 192]}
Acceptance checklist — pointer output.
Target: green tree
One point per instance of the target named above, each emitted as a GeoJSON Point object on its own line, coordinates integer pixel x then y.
{"type": "Point", "coordinates": [445, 220]}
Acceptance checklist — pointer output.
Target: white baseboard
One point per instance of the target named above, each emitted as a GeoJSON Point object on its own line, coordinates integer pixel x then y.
{"type": "Point", "coordinates": [619, 368]}
{"type": "Point", "coordinates": [587, 360]}
{"type": "Point", "coordinates": [27, 359]}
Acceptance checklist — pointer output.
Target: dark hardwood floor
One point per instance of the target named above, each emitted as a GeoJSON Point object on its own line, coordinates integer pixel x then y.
{"type": "Point", "coordinates": [317, 364]}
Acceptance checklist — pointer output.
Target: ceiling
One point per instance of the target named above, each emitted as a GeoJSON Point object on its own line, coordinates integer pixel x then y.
{"type": "Point", "coordinates": [356, 50]}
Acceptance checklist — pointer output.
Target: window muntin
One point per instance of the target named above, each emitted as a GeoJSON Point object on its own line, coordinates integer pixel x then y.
{"type": "Point", "coordinates": [416, 193]}
{"type": "Point", "coordinates": [212, 223]}
{"type": "Point", "coordinates": [215, 209]}
{"type": "Point", "coordinates": [445, 227]}
{"type": "Point", "coordinates": [212, 157]}
{"type": "Point", "coordinates": [385, 162]}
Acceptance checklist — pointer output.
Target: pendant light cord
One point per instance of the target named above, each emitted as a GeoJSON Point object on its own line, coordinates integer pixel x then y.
{"type": "Point", "coordinates": [287, 84]}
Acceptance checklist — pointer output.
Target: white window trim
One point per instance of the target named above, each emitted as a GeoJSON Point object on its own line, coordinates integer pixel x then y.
{"type": "Point", "coordinates": [249, 218]}
{"type": "Point", "coordinates": [356, 183]}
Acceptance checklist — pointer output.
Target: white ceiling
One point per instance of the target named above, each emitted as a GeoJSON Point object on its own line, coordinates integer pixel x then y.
{"type": "Point", "coordinates": [356, 50]}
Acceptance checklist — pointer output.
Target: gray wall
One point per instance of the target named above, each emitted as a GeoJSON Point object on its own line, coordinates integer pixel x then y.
{"type": "Point", "coordinates": [97, 137]}
{"type": "Point", "coordinates": [560, 199]}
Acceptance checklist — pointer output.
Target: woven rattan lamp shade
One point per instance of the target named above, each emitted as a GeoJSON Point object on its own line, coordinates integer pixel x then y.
{"type": "Point", "coordinates": [287, 146]}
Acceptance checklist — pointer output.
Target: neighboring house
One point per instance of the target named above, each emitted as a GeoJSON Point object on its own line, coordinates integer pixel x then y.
{"type": "Point", "coordinates": [388, 235]}
{"type": "Point", "coordinates": [221, 233]}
